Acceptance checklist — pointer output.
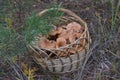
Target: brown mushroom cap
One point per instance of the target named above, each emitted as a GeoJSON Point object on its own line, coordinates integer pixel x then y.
{"type": "Point", "coordinates": [45, 43]}
{"type": "Point", "coordinates": [74, 26]}
{"type": "Point", "coordinates": [60, 42]}
{"type": "Point", "coordinates": [64, 34]}
{"type": "Point", "coordinates": [74, 36]}
{"type": "Point", "coordinates": [58, 30]}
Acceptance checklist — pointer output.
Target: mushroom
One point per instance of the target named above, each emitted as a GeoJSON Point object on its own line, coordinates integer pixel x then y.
{"type": "Point", "coordinates": [71, 32]}
{"type": "Point", "coordinates": [45, 43]}
{"type": "Point", "coordinates": [80, 48]}
{"type": "Point", "coordinates": [64, 34]}
{"type": "Point", "coordinates": [74, 36]}
{"type": "Point", "coordinates": [74, 26]}
{"type": "Point", "coordinates": [60, 42]}
{"type": "Point", "coordinates": [58, 30]}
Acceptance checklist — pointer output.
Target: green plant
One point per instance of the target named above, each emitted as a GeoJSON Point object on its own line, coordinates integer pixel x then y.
{"type": "Point", "coordinates": [13, 41]}
{"type": "Point", "coordinates": [10, 43]}
{"type": "Point", "coordinates": [40, 24]}
{"type": "Point", "coordinates": [28, 71]}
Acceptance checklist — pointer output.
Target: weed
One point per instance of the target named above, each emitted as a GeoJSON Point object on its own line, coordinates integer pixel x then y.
{"type": "Point", "coordinates": [28, 71]}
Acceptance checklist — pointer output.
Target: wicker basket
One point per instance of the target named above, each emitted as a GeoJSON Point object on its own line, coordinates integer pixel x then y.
{"type": "Point", "coordinates": [70, 62]}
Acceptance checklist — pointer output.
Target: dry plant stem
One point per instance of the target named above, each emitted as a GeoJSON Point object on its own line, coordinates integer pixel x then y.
{"type": "Point", "coordinates": [112, 53]}
{"type": "Point", "coordinates": [17, 70]}
{"type": "Point", "coordinates": [86, 59]}
{"type": "Point", "coordinates": [38, 49]}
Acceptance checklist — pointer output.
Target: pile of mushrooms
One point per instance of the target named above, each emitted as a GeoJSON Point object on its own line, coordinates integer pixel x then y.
{"type": "Point", "coordinates": [62, 36]}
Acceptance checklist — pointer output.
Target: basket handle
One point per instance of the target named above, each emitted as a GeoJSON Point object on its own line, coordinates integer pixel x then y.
{"type": "Point", "coordinates": [69, 13]}
{"type": "Point", "coordinates": [65, 11]}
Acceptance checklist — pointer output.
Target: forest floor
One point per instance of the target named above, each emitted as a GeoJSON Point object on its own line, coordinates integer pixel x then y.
{"type": "Point", "coordinates": [103, 21]}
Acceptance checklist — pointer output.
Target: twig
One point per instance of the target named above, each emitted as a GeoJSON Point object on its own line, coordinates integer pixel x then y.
{"type": "Point", "coordinates": [87, 57]}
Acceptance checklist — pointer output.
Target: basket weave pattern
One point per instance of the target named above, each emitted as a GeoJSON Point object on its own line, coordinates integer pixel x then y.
{"type": "Point", "coordinates": [68, 63]}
